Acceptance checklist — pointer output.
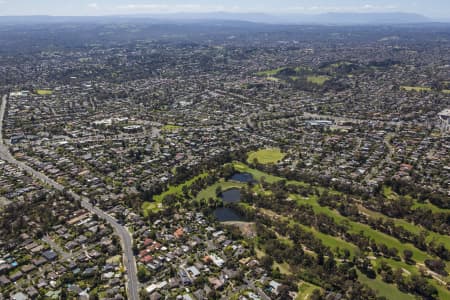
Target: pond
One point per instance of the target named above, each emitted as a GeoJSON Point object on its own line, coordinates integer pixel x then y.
{"type": "Point", "coordinates": [243, 177]}
{"type": "Point", "coordinates": [231, 196]}
{"type": "Point", "coordinates": [226, 214]}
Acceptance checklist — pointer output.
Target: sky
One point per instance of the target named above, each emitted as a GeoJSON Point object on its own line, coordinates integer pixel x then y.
{"type": "Point", "coordinates": [431, 8]}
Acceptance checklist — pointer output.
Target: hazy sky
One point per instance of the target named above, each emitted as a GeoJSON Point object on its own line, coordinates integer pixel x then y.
{"type": "Point", "coordinates": [431, 8]}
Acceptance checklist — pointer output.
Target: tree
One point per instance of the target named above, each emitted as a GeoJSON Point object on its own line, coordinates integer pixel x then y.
{"type": "Point", "coordinates": [408, 254]}
{"type": "Point", "coordinates": [266, 262]}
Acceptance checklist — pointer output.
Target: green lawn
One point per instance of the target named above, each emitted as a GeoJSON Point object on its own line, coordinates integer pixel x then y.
{"type": "Point", "coordinates": [266, 156]}
{"type": "Point", "coordinates": [318, 79]}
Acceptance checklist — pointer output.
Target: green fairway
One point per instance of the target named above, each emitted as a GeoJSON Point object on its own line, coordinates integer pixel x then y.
{"type": "Point", "coordinates": [416, 229]}
{"type": "Point", "coordinates": [319, 79]}
{"type": "Point", "coordinates": [355, 227]}
{"type": "Point", "coordinates": [271, 78]}
{"type": "Point", "coordinates": [148, 207]}
{"type": "Point", "coordinates": [391, 195]}
{"type": "Point", "coordinates": [302, 69]}
{"type": "Point", "coordinates": [270, 72]}
{"type": "Point", "coordinates": [210, 192]}
{"type": "Point", "coordinates": [305, 289]}
{"type": "Point", "coordinates": [172, 190]}
{"type": "Point", "coordinates": [328, 240]}
{"type": "Point", "coordinates": [387, 290]}
{"type": "Point", "coordinates": [257, 175]}
{"type": "Point", "coordinates": [266, 156]}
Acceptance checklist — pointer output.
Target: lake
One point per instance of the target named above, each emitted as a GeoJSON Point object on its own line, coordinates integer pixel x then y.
{"type": "Point", "coordinates": [231, 196]}
{"type": "Point", "coordinates": [243, 177]}
{"type": "Point", "coordinates": [226, 214]}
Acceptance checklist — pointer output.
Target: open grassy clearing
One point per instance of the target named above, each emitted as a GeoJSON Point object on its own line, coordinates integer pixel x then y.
{"type": "Point", "coordinates": [302, 69]}
{"type": "Point", "coordinates": [318, 79]}
{"type": "Point", "coordinates": [270, 72]}
{"type": "Point", "coordinates": [170, 127]}
{"type": "Point", "coordinates": [387, 290]}
{"type": "Point", "coordinates": [44, 92]}
{"type": "Point", "coordinates": [416, 88]}
{"type": "Point", "coordinates": [431, 207]}
{"type": "Point", "coordinates": [271, 78]}
{"type": "Point", "coordinates": [266, 156]}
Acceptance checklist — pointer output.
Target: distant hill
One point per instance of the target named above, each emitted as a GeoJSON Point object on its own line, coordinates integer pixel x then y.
{"type": "Point", "coordinates": [328, 18]}
{"type": "Point", "coordinates": [325, 19]}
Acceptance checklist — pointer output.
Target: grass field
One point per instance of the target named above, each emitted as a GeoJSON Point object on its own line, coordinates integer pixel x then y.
{"type": "Point", "coordinates": [170, 127]}
{"type": "Point", "coordinates": [416, 88]}
{"type": "Point", "coordinates": [271, 78]}
{"type": "Point", "coordinates": [44, 92]}
{"type": "Point", "coordinates": [266, 156]}
{"type": "Point", "coordinates": [270, 72]}
{"type": "Point", "coordinates": [318, 79]}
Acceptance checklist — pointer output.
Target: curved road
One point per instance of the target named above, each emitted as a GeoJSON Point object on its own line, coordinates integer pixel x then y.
{"type": "Point", "coordinates": [121, 231]}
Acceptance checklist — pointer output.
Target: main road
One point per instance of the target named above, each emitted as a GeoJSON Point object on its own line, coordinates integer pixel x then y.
{"type": "Point", "coordinates": [123, 233]}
